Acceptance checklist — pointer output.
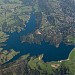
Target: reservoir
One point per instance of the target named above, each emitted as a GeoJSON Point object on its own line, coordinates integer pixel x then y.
{"type": "Point", "coordinates": [50, 52]}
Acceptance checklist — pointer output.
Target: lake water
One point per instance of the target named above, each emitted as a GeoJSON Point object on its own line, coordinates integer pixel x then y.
{"type": "Point", "coordinates": [51, 53]}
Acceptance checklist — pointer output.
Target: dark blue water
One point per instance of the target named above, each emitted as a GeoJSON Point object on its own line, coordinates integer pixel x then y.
{"type": "Point", "coordinates": [51, 53]}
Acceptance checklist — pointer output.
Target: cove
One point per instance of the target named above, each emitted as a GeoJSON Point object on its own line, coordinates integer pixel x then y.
{"type": "Point", "coordinates": [50, 52]}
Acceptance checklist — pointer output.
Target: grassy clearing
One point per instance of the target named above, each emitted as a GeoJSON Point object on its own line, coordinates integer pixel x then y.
{"type": "Point", "coordinates": [72, 55]}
